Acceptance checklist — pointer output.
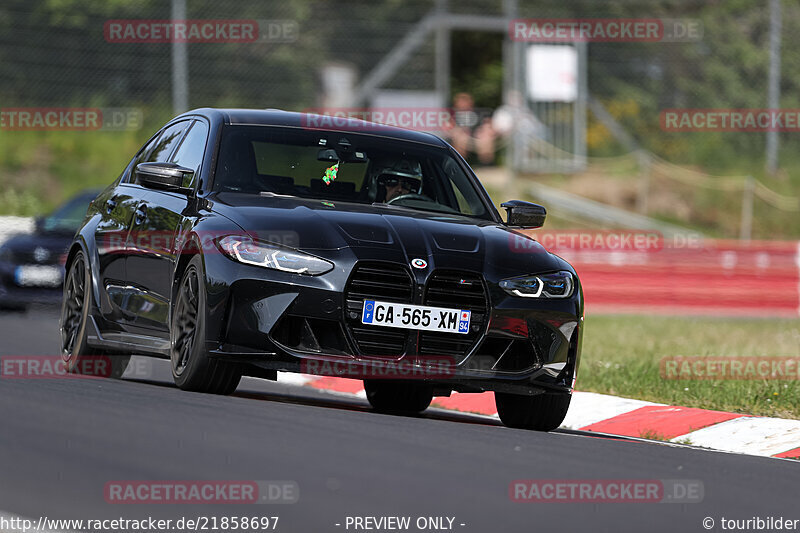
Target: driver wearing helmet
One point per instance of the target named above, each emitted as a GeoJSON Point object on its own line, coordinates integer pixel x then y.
{"type": "Point", "coordinates": [401, 179]}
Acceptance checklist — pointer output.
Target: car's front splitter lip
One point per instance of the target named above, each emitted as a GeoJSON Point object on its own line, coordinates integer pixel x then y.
{"type": "Point", "coordinates": [359, 368]}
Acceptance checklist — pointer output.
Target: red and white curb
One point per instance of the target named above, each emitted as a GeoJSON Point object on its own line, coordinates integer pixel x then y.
{"type": "Point", "coordinates": [589, 411]}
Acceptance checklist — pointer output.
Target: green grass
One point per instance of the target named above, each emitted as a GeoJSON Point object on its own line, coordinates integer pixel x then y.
{"type": "Point", "coordinates": [621, 355]}
{"type": "Point", "coordinates": [652, 435]}
{"type": "Point", "coordinates": [41, 169]}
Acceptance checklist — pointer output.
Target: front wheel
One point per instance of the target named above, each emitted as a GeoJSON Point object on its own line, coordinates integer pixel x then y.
{"type": "Point", "coordinates": [400, 397]}
{"type": "Point", "coordinates": [192, 368]}
{"type": "Point", "coordinates": [76, 354]}
{"type": "Point", "coordinates": [543, 412]}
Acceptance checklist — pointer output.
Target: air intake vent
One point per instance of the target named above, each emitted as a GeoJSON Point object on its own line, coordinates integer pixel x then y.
{"type": "Point", "coordinates": [377, 281]}
{"type": "Point", "coordinates": [458, 290]}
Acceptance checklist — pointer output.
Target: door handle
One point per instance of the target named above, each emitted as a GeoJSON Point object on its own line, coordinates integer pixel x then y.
{"type": "Point", "coordinates": [111, 204]}
{"type": "Point", "coordinates": [140, 215]}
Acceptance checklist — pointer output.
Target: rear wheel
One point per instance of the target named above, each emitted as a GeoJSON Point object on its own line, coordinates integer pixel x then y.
{"type": "Point", "coordinates": [78, 357]}
{"type": "Point", "coordinates": [192, 368]}
{"type": "Point", "coordinates": [398, 396]}
{"type": "Point", "coordinates": [543, 412]}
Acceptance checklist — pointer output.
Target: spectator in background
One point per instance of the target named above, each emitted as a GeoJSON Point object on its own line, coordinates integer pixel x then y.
{"type": "Point", "coordinates": [471, 132]}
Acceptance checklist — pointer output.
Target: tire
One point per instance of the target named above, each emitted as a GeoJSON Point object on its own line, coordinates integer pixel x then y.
{"type": "Point", "coordinates": [76, 354]}
{"type": "Point", "coordinates": [192, 368]}
{"type": "Point", "coordinates": [543, 412]}
{"type": "Point", "coordinates": [400, 397]}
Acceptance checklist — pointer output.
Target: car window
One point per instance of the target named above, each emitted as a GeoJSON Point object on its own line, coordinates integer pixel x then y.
{"type": "Point", "coordinates": [141, 157]}
{"type": "Point", "coordinates": [350, 167]}
{"type": "Point", "coordinates": [300, 164]}
{"type": "Point", "coordinates": [465, 195]}
{"type": "Point", "coordinates": [167, 142]}
{"type": "Point", "coordinates": [190, 153]}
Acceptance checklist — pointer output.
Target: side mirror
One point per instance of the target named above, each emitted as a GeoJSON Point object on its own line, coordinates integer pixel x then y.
{"type": "Point", "coordinates": [167, 176]}
{"type": "Point", "coordinates": [524, 214]}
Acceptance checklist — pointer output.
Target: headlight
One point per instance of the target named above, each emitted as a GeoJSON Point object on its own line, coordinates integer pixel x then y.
{"type": "Point", "coordinates": [252, 252]}
{"type": "Point", "coordinates": [555, 285]}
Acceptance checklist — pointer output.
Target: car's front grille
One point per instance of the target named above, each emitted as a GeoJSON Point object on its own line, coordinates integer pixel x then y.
{"type": "Point", "coordinates": [459, 290]}
{"type": "Point", "coordinates": [377, 281]}
{"type": "Point", "coordinates": [393, 283]}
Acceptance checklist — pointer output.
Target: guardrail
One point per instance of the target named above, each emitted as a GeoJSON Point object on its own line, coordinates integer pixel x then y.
{"type": "Point", "coordinates": [699, 276]}
{"type": "Point", "coordinates": [710, 277]}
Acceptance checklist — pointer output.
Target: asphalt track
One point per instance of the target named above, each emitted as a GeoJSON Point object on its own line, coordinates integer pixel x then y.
{"type": "Point", "coordinates": [63, 440]}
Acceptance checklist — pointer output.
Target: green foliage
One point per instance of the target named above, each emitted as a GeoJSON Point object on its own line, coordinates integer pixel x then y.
{"type": "Point", "coordinates": [477, 68]}
{"type": "Point", "coordinates": [41, 169]}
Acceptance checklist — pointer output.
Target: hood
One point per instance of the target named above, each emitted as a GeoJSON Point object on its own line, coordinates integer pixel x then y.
{"type": "Point", "coordinates": [386, 232]}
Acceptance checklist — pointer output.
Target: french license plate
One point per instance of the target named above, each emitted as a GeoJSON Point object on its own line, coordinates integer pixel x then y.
{"type": "Point", "coordinates": [39, 276]}
{"type": "Point", "coordinates": [416, 317]}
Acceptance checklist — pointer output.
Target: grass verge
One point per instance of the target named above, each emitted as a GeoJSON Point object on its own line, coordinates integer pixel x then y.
{"type": "Point", "coordinates": [621, 355]}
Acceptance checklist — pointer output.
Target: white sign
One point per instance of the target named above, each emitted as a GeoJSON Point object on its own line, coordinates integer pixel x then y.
{"type": "Point", "coordinates": [552, 73]}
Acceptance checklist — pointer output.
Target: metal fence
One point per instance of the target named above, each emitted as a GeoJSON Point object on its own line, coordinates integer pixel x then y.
{"type": "Point", "coordinates": [60, 54]}
{"type": "Point", "coordinates": [56, 53]}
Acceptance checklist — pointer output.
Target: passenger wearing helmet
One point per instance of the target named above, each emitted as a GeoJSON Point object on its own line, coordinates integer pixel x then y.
{"type": "Point", "coordinates": [400, 179]}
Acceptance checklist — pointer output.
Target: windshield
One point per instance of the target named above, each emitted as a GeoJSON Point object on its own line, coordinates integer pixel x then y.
{"type": "Point", "coordinates": [349, 167]}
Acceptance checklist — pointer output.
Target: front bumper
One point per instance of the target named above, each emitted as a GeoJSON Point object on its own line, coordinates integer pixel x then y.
{"type": "Point", "coordinates": [285, 322]}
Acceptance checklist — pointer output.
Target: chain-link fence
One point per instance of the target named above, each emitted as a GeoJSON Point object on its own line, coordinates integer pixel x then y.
{"type": "Point", "coordinates": [56, 53]}
{"type": "Point", "coordinates": [62, 54]}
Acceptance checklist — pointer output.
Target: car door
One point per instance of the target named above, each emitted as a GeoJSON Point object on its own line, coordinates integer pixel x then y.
{"type": "Point", "coordinates": [159, 219]}
{"type": "Point", "coordinates": [116, 206]}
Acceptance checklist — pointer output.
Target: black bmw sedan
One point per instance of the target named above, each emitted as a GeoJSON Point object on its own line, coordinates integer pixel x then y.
{"type": "Point", "coordinates": [247, 242]}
